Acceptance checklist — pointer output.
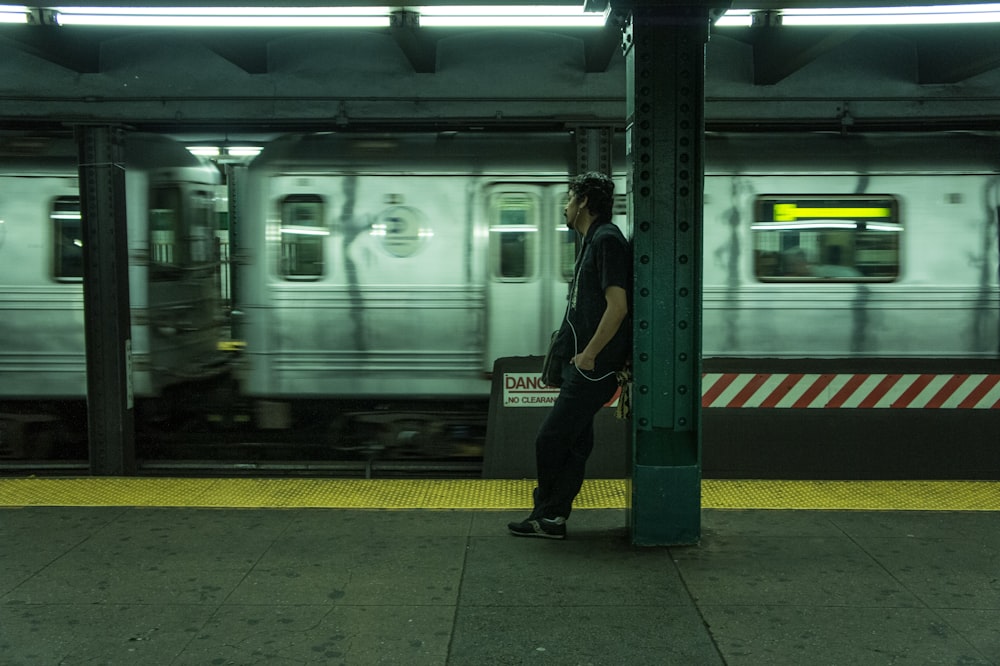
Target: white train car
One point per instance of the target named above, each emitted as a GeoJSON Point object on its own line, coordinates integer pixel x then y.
{"type": "Point", "coordinates": [405, 265]}
{"type": "Point", "coordinates": [851, 247]}
{"type": "Point", "coordinates": [839, 272]}
{"type": "Point", "coordinates": [41, 267]}
{"type": "Point", "coordinates": [400, 266]}
{"type": "Point", "coordinates": [173, 274]}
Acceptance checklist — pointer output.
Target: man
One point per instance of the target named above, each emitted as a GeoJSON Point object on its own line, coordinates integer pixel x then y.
{"type": "Point", "coordinates": [595, 335]}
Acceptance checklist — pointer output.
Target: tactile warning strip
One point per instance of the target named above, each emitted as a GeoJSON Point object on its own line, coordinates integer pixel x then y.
{"type": "Point", "coordinates": [498, 494]}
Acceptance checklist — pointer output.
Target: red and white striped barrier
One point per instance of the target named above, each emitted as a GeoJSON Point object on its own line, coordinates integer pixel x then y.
{"type": "Point", "coordinates": [850, 391]}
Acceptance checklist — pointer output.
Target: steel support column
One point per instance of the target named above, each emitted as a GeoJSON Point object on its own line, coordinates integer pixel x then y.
{"type": "Point", "coordinates": [593, 149]}
{"type": "Point", "coordinates": [110, 414]}
{"type": "Point", "coordinates": [664, 45]}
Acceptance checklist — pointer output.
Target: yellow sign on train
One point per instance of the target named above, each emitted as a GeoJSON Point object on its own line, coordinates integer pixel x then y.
{"type": "Point", "coordinates": [790, 212]}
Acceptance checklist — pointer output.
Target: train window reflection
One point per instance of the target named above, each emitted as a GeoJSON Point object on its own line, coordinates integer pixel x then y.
{"type": "Point", "coordinates": [181, 230]}
{"type": "Point", "coordinates": [201, 231]}
{"type": "Point", "coordinates": [513, 236]}
{"type": "Point", "coordinates": [847, 238]}
{"type": "Point", "coordinates": [567, 251]}
{"type": "Point", "coordinates": [303, 237]}
{"type": "Point", "coordinates": [68, 239]}
{"type": "Point", "coordinates": [566, 241]}
{"type": "Point", "coordinates": [165, 227]}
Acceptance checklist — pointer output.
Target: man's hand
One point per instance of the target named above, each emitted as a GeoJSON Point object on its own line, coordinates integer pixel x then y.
{"type": "Point", "coordinates": [584, 361]}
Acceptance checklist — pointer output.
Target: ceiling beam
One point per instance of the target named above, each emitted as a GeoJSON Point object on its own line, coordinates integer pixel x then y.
{"type": "Point", "coordinates": [599, 47]}
{"type": "Point", "coordinates": [250, 55]}
{"type": "Point", "coordinates": [416, 44]}
{"type": "Point", "coordinates": [944, 57]}
{"type": "Point", "coordinates": [79, 53]}
{"type": "Point", "coordinates": [779, 52]}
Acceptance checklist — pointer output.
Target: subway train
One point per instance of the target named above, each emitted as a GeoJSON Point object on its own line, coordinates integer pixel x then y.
{"type": "Point", "coordinates": [850, 312]}
{"type": "Point", "coordinates": [177, 320]}
{"type": "Point", "coordinates": [851, 308]}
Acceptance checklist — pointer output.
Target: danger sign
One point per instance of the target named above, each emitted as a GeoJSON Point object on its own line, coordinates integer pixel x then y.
{"type": "Point", "coordinates": [525, 389]}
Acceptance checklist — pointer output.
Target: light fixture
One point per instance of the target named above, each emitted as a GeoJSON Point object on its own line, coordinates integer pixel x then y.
{"type": "Point", "coordinates": [243, 151]}
{"type": "Point", "coordinates": [226, 17]}
{"type": "Point", "coordinates": [13, 14]}
{"type": "Point", "coordinates": [861, 16]}
{"type": "Point", "coordinates": [506, 16]}
{"type": "Point", "coordinates": [735, 18]}
{"type": "Point", "coordinates": [472, 16]}
{"type": "Point", "coordinates": [216, 152]}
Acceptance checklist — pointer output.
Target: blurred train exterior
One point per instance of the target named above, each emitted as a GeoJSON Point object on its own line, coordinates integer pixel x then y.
{"type": "Point", "coordinates": [407, 265]}
{"type": "Point", "coordinates": [915, 217]}
{"type": "Point", "coordinates": [173, 278]}
{"type": "Point", "coordinates": [400, 267]}
{"type": "Point", "coordinates": [851, 308]}
{"type": "Point", "coordinates": [882, 362]}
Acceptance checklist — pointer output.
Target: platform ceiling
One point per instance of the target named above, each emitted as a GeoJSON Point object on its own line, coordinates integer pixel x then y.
{"type": "Point", "coordinates": [257, 80]}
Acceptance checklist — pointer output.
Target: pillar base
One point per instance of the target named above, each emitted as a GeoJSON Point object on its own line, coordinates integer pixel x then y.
{"type": "Point", "coordinates": [665, 508]}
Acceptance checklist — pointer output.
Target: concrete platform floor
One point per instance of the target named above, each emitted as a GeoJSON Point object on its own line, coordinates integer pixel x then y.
{"type": "Point", "coordinates": [207, 586]}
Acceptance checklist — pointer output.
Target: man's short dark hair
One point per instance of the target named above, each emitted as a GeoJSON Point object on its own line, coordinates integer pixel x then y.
{"type": "Point", "coordinates": [599, 190]}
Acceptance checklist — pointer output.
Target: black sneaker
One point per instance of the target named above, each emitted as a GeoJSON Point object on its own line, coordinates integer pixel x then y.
{"type": "Point", "coordinates": [547, 528]}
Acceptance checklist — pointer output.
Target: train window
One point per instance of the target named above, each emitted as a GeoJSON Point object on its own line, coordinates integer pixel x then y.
{"type": "Point", "coordinates": [201, 230]}
{"type": "Point", "coordinates": [513, 236]}
{"type": "Point", "coordinates": [567, 250]}
{"type": "Point", "coordinates": [181, 235]}
{"type": "Point", "coordinates": [68, 239]}
{"type": "Point", "coordinates": [846, 238]}
{"type": "Point", "coordinates": [165, 227]}
{"type": "Point", "coordinates": [303, 236]}
{"type": "Point", "coordinates": [567, 242]}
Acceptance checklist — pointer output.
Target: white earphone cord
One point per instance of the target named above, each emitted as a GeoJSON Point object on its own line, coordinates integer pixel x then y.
{"type": "Point", "coordinates": [576, 342]}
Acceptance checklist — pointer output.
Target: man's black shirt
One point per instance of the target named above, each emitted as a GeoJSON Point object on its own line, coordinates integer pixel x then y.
{"type": "Point", "coordinates": [605, 260]}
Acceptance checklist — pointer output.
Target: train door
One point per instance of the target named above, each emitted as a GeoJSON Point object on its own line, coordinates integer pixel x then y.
{"type": "Point", "coordinates": [562, 259]}
{"type": "Point", "coordinates": [521, 250]}
{"type": "Point", "coordinates": [532, 254]}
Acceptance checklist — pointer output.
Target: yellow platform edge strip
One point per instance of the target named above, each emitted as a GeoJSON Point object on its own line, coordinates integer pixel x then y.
{"type": "Point", "coordinates": [474, 494]}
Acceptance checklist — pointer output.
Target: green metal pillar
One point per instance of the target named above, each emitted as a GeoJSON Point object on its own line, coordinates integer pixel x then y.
{"type": "Point", "coordinates": [664, 45]}
{"type": "Point", "coordinates": [107, 317]}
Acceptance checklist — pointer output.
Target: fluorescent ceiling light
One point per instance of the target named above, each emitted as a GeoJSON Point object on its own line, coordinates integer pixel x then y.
{"type": "Point", "coordinates": [226, 17]}
{"type": "Point", "coordinates": [13, 14]}
{"type": "Point", "coordinates": [479, 16]}
{"type": "Point", "coordinates": [930, 15]}
{"type": "Point", "coordinates": [509, 16]}
{"type": "Point", "coordinates": [736, 18]}
{"type": "Point", "coordinates": [243, 151]}
{"type": "Point", "coordinates": [860, 16]}
{"type": "Point", "coordinates": [231, 151]}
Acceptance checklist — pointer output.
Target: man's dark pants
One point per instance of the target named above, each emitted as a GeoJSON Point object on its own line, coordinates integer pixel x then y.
{"type": "Point", "coordinates": [565, 440]}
